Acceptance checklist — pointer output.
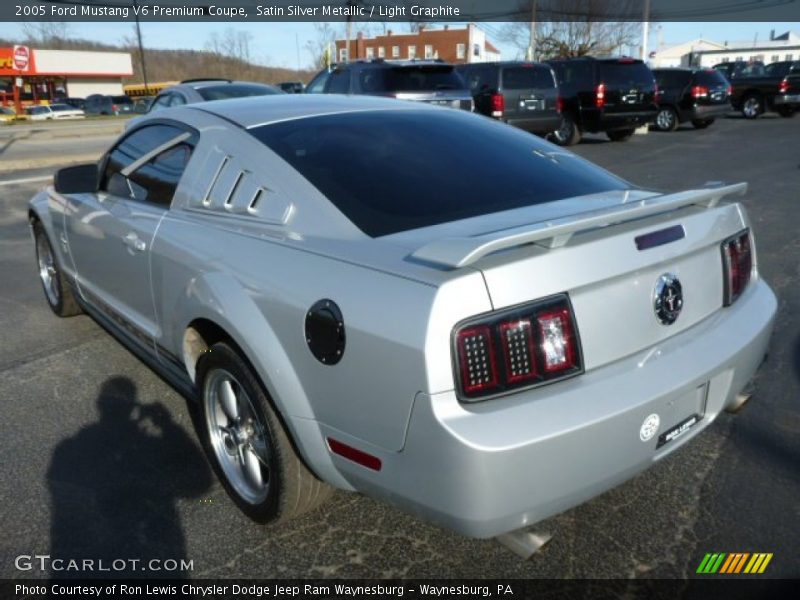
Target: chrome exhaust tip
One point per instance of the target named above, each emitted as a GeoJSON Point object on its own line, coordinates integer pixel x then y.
{"type": "Point", "coordinates": [524, 543]}
{"type": "Point", "coordinates": [738, 403]}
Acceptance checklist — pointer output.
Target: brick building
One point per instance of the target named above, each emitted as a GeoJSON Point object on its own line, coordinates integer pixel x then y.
{"type": "Point", "coordinates": [466, 45]}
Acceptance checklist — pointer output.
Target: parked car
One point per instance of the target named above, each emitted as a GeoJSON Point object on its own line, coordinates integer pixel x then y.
{"type": "Point", "coordinates": [611, 95]}
{"type": "Point", "coordinates": [141, 104]}
{"type": "Point", "coordinates": [429, 81]}
{"type": "Point", "coordinates": [191, 91]}
{"type": "Point", "coordinates": [758, 89]}
{"type": "Point", "coordinates": [7, 114]}
{"type": "Point", "coordinates": [407, 301]}
{"type": "Point", "coordinates": [292, 87]}
{"type": "Point", "coordinates": [98, 104]}
{"type": "Point", "coordinates": [696, 95]}
{"type": "Point", "coordinates": [53, 112]}
{"type": "Point", "coordinates": [522, 94]}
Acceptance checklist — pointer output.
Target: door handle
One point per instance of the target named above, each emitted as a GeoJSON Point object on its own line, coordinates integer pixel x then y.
{"type": "Point", "coordinates": [133, 242]}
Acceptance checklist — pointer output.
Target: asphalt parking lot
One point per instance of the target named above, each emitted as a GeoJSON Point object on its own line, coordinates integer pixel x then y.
{"type": "Point", "coordinates": [100, 459]}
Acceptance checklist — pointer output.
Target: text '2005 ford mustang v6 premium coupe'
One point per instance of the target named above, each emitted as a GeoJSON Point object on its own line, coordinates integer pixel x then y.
{"type": "Point", "coordinates": [419, 304]}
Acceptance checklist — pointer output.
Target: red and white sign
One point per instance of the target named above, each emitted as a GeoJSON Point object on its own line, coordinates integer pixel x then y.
{"type": "Point", "coordinates": [22, 58]}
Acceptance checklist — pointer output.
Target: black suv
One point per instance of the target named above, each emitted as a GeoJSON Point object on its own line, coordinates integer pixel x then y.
{"type": "Point", "coordinates": [98, 104]}
{"type": "Point", "coordinates": [614, 95]}
{"type": "Point", "coordinates": [522, 94]}
{"type": "Point", "coordinates": [434, 82]}
{"type": "Point", "coordinates": [696, 95]}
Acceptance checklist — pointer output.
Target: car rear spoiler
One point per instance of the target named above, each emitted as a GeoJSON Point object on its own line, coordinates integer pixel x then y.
{"type": "Point", "coordinates": [459, 252]}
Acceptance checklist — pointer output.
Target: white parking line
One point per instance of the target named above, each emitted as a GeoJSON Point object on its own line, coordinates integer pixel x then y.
{"type": "Point", "coordinates": [26, 180]}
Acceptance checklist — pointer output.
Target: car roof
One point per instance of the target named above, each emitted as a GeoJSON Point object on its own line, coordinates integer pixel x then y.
{"type": "Point", "coordinates": [505, 63]}
{"type": "Point", "coordinates": [253, 111]}
{"type": "Point", "coordinates": [391, 63]}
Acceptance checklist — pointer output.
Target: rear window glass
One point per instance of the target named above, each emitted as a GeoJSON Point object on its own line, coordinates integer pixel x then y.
{"type": "Point", "coordinates": [672, 79]}
{"type": "Point", "coordinates": [521, 78]}
{"type": "Point", "coordinates": [626, 74]}
{"type": "Point", "coordinates": [710, 78]}
{"type": "Point", "coordinates": [121, 100]}
{"type": "Point", "coordinates": [391, 171]}
{"type": "Point", "coordinates": [411, 79]}
{"type": "Point", "coordinates": [234, 90]}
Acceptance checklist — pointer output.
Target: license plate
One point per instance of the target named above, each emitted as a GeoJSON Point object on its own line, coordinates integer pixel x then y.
{"type": "Point", "coordinates": [533, 104]}
{"type": "Point", "coordinates": [678, 430]}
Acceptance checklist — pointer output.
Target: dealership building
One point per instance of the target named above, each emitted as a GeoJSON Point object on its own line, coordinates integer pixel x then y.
{"type": "Point", "coordinates": [32, 76]}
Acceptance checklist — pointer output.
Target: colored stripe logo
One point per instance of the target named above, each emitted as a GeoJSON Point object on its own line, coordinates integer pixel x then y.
{"type": "Point", "coordinates": [734, 563]}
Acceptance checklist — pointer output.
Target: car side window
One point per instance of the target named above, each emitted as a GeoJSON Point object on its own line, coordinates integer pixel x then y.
{"type": "Point", "coordinates": [177, 100]}
{"type": "Point", "coordinates": [317, 85]}
{"type": "Point", "coordinates": [156, 180]}
{"type": "Point", "coordinates": [340, 82]}
{"type": "Point", "coordinates": [162, 101]}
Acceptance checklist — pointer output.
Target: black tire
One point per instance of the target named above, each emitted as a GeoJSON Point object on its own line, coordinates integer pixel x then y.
{"type": "Point", "coordinates": [58, 292]}
{"type": "Point", "coordinates": [702, 123]}
{"type": "Point", "coordinates": [620, 135]}
{"type": "Point", "coordinates": [787, 112]}
{"type": "Point", "coordinates": [568, 134]}
{"type": "Point", "coordinates": [291, 489]}
{"type": "Point", "coordinates": [752, 106]}
{"type": "Point", "coordinates": [666, 119]}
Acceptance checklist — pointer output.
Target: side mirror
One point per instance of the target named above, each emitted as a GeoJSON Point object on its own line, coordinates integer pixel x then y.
{"type": "Point", "coordinates": [80, 179]}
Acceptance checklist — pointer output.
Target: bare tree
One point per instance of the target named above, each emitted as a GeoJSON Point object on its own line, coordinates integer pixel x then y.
{"type": "Point", "coordinates": [52, 35]}
{"type": "Point", "coordinates": [588, 28]}
{"type": "Point", "coordinates": [319, 47]}
{"type": "Point", "coordinates": [231, 43]}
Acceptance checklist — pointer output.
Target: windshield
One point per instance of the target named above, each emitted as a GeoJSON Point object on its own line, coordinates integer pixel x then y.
{"type": "Point", "coordinates": [391, 171]}
{"type": "Point", "coordinates": [235, 90]}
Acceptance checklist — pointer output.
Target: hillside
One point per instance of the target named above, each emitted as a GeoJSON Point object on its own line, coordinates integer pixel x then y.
{"type": "Point", "coordinates": [175, 65]}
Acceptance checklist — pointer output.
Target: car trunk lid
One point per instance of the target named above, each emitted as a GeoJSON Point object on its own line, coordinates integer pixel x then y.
{"type": "Point", "coordinates": [609, 263]}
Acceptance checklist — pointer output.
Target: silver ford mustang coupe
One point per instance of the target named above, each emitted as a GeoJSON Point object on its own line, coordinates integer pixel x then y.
{"type": "Point", "coordinates": [419, 304]}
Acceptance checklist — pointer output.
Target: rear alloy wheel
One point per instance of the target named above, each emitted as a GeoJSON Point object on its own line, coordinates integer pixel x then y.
{"type": "Point", "coordinates": [787, 112]}
{"type": "Point", "coordinates": [620, 135]}
{"type": "Point", "coordinates": [568, 133]}
{"type": "Point", "coordinates": [247, 444]}
{"type": "Point", "coordinates": [752, 106]}
{"type": "Point", "coordinates": [57, 291]}
{"type": "Point", "coordinates": [702, 123]}
{"type": "Point", "coordinates": [666, 119]}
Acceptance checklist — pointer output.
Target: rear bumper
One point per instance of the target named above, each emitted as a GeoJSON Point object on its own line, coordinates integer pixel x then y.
{"type": "Point", "coordinates": [488, 468]}
{"type": "Point", "coordinates": [606, 121]}
{"type": "Point", "coordinates": [708, 112]}
{"type": "Point", "coordinates": [787, 100]}
{"type": "Point", "coordinates": [542, 124]}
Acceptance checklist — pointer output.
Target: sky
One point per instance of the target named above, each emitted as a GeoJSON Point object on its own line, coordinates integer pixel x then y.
{"type": "Point", "coordinates": [279, 44]}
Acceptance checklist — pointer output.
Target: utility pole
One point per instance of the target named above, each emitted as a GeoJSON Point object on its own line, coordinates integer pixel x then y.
{"type": "Point", "coordinates": [645, 29]}
{"type": "Point", "coordinates": [141, 48]}
{"type": "Point", "coordinates": [349, 29]}
{"type": "Point", "coordinates": [532, 46]}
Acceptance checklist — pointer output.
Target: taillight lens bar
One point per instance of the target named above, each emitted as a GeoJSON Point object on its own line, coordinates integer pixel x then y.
{"type": "Point", "coordinates": [600, 96]}
{"type": "Point", "coordinates": [699, 91]}
{"type": "Point", "coordinates": [516, 348]}
{"type": "Point", "coordinates": [783, 86]}
{"type": "Point", "coordinates": [737, 264]}
{"type": "Point", "coordinates": [498, 105]}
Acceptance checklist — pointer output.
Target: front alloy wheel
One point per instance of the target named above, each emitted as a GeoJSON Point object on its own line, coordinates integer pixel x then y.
{"type": "Point", "coordinates": [666, 119]}
{"type": "Point", "coordinates": [751, 107]}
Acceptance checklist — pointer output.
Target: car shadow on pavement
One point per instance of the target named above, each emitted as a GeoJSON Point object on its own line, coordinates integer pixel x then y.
{"type": "Point", "coordinates": [115, 488]}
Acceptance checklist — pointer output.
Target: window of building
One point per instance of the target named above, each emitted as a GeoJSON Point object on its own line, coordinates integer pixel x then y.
{"type": "Point", "coordinates": [381, 52]}
{"type": "Point", "coordinates": [370, 52]}
{"type": "Point", "coordinates": [726, 59]}
{"type": "Point", "coordinates": [789, 57]}
{"type": "Point", "coordinates": [775, 57]}
{"type": "Point", "coordinates": [428, 51]}
{"type": "Point", "coordinates": [395, 51]}
{"type": "Point", "coordinates": [342, 54]}
{"type": "Point", "coordinates": [476, 49]}
{"type": "Point", "coordinates": [739, 59]}
{"type": "Point", "coordinates": [461, 50]}
{"type": "Point", "coordinates": [412, 52]}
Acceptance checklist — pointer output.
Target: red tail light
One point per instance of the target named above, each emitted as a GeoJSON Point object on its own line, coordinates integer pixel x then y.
{"type": "Point", "coordinates": [783, 86]}
{"type": "Point", "coordinates": [498, 105]}
{"type": "Point", "coordinates": [656, 92]}
{"type": "Point", "coordinates": [737, 261]}
{"type": "Point", "coordinates": [729, 91]}
{"type": "Point", "coordinates": [600, 96]}
{"type": "Point", "coordinates": [559, 104]}
{"type": "Point", "coordinates": [699, 91]}
{"type": "Point", "coordinates": [114, 107]}
{"type": "Point", "coordinates": [518, 348]}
